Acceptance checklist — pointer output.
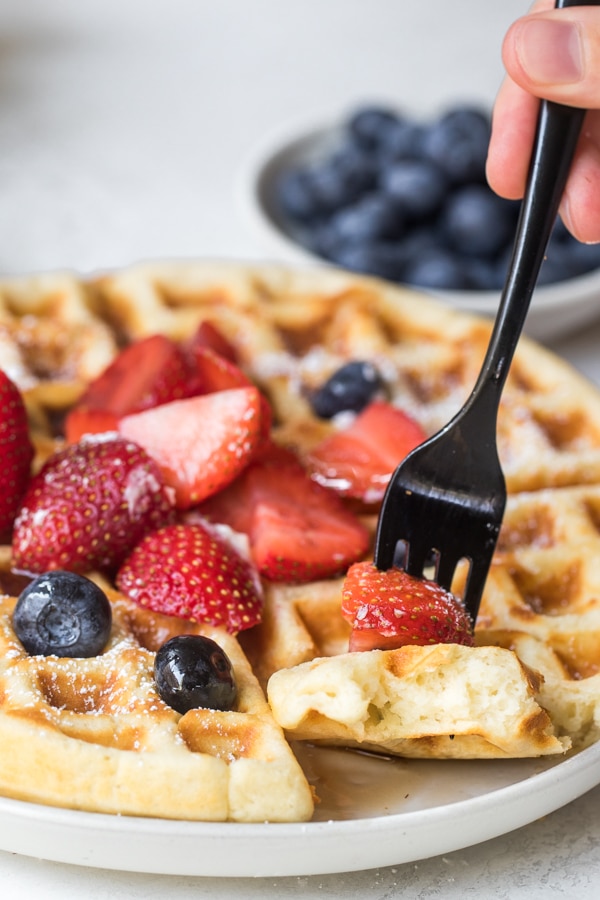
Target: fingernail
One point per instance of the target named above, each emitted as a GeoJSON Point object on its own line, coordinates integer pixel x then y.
{"type": "Point", "coordinates": [550, 52]}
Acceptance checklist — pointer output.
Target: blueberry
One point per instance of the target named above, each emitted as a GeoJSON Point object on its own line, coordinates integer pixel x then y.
{"type": "Point", "coordinates": [369, 126]}
{"type": "Point", "coordinates": [294, 194]}
{"type": "Point", "coordinates": [582, 257]}
{"type": "Point", "coordinates": [560, 261]}
{"type": "Point", "coordinates": [402, 140]}
{"type": "Point", "coordinates": [476, 222]}
{"type": "Point", "coordinates": [560, 231]}
{"type": "Point", "coordinates": [373, 216]}
{"type": "Point", "coordinates": [417, 241]}
{"type": "Point", "coordinates": [458, 143]}
{"type": "Point", "coordinates": [437, 269]}
{"type": "Point", "coordinates": [358, 167]}
{"type": "Point", "coordinates": [418, 187]}
{"type": "Point", "coordinates": [383, 259]}
{"type": "Point", "coordinates": [482, 274]}
{"type": "Point", "coordinates": [62, 614]}
{"type": "Point", "coordinates": [553, 269]}
{"type": "Point", "coordinates": [387, 259]}
{"type": "Point", "coordinates": [334, 185]}
{"type": "Point", "coordinates": [352, 387]}
{"type": "Point", "coordinates": [192, 671]}
{"type": "Point", "coordinates": [307, 194]}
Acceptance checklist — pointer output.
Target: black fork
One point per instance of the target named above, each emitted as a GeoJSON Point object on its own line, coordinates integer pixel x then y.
{"type": "Point", "coordinates": [445, 502]}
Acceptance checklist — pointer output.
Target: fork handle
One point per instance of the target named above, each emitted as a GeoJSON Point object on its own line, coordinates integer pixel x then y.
{"type": "Point", "coordinates": [556, 137]}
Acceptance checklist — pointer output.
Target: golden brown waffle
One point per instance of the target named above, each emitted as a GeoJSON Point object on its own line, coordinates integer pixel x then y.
{"type": "Point", "coordinates": [542, 599]}
{"type": "Point", "coordinates": [292, 329]}
{"type": "Point", "coordinates": [545, 583]}
{"type": "Point", "coordinates": [95, 734]}
{"type": "Point", "coordinates": [444, 701]}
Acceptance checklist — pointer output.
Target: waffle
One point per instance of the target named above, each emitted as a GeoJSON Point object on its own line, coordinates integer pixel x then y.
{"type": "Point", "coordinates": [291, 330]}
{"type": "Point", "coordinates": [94, 733]}
{"type": "Point", "coordinates": [444, 701]}
{"type": "Point", "coordinates": [541, 601]}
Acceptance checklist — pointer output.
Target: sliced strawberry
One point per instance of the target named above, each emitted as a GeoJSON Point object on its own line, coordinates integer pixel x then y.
{"type": "Point", "coordinates": [214, 372]}
{"type": "Point", "coordinates": [234, 506]}
{"type": "Point", "coordinates": [298, 531]}
{"type": "Point", "coordinates": [88, 506]}
{"type": "Point", "coordinates": [358, 461]}
{"type": "Point", "coordinates": [266, 422]}
{"type": "Point", "coordinates": [208, 335]}
{"type": "Point", "coordinates": [144, 374]}
{"type": "Point", "coordinates": [391, 608]}
{"type": "Point", "coordinates": [81, 421]}
{"type": "Point", "coordinates": [201, 443]}
{"type": "Point", "coordinates": [190, 572]}
{"type": "Point", "coordinates": [16, 451]}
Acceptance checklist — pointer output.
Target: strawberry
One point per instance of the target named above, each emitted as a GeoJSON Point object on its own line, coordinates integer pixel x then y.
{"type": "Point", "coordinates": [201, 443]}
{"type": "Point", "coordinates": [16, 451]}
{"type": "Point", "coordinates": [190, 572]}
{"type": "Point", "coordinates": [208, 335]}
{"type": "Point", "coordinates": [298, 530]}
{"type": "Point", "coordinates": [146, 373]}
{"type": "Point", "coordinates": [391, 608]}
{"type": "Point", "coordinates": [214, 372]}
{"type": "Point", "coordinates": [358, 461]}
{"type": "Point", "coordinates": [88, 506]}
{"type": "Point", "coordinates": [81, 421]}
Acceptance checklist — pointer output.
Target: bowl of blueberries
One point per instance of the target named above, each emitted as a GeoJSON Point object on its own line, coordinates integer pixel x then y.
{"type": "Point", "coordinates": [387, 194]}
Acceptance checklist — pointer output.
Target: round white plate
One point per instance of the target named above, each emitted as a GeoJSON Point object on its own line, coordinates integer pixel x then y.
{"type": "Point", "coordinates": [374, 812]}
{"type": "Point", "coordinates": [556, 309]}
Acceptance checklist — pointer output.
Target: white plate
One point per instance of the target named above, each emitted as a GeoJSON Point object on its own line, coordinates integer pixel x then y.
{"type": "Point", "coordinates": [373, 813]}
{"type": "Point", "coordinates": [555, 309]}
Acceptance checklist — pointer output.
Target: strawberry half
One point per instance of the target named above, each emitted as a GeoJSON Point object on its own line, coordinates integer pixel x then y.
{"type": "Point", "coordinates": [88, 506]}
{"type": "Point", "coordinates": [16, 451]}
{"type": "Point", "coordinates": [358, 461]}
{"type": "Point", "coordinates": [190, 572]}
{"type": "Point", "coordinates": [214, 372]}
{"type": "Point", "coordinates": [298, 531]}
{"type": "Point", "coordinates": [389, 609]}
{"type": "Point", "coordinates": [146, 373]}
{"type": "Point", "coordinates": [208, 335]}
{"type": "Point", "coordinates": [201, 443]}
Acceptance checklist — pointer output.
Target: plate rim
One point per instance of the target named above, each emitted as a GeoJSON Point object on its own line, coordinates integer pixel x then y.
{"type": "Point", "coordinates": [228, 849]}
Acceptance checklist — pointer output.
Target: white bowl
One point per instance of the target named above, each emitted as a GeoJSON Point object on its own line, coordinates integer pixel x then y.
{"type": "Point", "coordinates": [556, 309]}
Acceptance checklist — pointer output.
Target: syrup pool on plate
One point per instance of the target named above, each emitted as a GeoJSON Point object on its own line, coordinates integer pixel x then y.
{"type": "Point", "coordinates": [352, 785]}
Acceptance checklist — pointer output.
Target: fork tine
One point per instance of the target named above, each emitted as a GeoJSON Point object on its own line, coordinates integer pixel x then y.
{"type": "Point", "coordinates": [445, 570]}
{"type": "Point", "coordinates": [391, 528]}
{"type": "Point", "coordinates": [476, 580]}
{"type": "Point", "coordinates": [416, 558]}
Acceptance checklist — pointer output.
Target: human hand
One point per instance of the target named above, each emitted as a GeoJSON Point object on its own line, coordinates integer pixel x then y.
{"type": "Point", "coordinates": [554, 54]}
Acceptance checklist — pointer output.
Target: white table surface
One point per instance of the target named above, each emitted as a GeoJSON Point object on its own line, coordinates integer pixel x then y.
{"type": "Point", "coordinates": [123, 127]}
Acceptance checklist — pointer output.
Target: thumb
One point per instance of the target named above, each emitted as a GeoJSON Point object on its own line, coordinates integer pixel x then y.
{"type": "Point", "coordinates": [555, 54]}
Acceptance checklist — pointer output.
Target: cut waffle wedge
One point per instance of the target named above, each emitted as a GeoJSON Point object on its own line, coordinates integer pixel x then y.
{"type": "Point", "coordinates": [95, 734]}
{"type": "Point", "coordinates": [96, 730]}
